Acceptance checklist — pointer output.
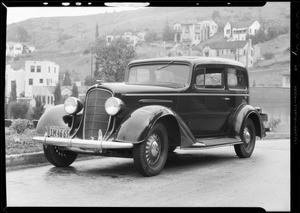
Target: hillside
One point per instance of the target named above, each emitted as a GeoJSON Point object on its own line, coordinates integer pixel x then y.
{"type": "Point", "coordinates": [63, 39]}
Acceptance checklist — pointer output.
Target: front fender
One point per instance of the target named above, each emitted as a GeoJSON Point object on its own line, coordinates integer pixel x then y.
{"type": "Point", "coordinates": [135, 127]}
{"type": "Point", "coordinates": [55, 116]}
{"type": "Point", "coordinates": [245, 112]}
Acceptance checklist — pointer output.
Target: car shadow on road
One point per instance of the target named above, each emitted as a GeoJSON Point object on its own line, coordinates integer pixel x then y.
{"type": "Point", "coordinates": [175, 162]}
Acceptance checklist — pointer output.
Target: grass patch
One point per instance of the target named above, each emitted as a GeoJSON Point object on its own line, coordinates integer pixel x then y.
{"type": "Point", "coordinates": [21, 143]}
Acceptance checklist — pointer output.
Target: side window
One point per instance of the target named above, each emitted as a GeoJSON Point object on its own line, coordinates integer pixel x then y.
{"type": "Point", "coordinates": [236, 79]}
{"type": "Point", "coordinates": [210, 78]}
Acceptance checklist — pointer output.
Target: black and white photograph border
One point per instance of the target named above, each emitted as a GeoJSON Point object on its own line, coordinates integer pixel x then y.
{"type": "Point", "coordinates": [70, 40]}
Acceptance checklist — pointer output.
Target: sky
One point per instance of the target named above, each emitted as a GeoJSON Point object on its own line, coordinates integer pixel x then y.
{"type": "Point", "coordinates": [17, 14]}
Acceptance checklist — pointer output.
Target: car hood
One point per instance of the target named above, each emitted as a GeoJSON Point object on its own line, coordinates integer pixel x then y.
{"type": "Point", "coordinates": [126, 88]}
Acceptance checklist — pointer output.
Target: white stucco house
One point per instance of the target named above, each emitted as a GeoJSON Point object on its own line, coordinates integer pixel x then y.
{"type": "Point", "coordinates": [40, 73]}
{"type": "Point", "coordinates": [14, 76]}
{"type": "Point", "coordinates": [46, 94]}
{"type": "Point", "coordinates": [242, 51]}
{"type": "Point", "coordinates": [234, 31]}
{"type": "Point", "coordinates": [130, 36]}
{"type": "Point", "coordinates": [286, 79]}
{"type": "Point", "coordinates": [13, 49]}
{"type": "Point", "coordinates": [194, 32]}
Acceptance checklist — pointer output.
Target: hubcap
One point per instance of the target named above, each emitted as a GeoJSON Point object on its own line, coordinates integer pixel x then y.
{"type": "Point", "coordinates": [153, 149]}
{"type": "Point", "coordinates": [247, 136]}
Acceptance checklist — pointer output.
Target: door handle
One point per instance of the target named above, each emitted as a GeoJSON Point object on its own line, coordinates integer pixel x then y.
{"type": "Point", "coordinates": [226, 99]}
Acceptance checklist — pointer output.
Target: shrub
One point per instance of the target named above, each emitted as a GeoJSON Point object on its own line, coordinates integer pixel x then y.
{"type": "Point", "coordinates": [18, 109]}
{"type": "Point", "coordinates": [19, 125]}
{"type": "Point", "coordinates": [273, 123]}
{"type": "Point", "coordinates": [8, 122]}
{"type": "Point", "coordinates": [268, 55]}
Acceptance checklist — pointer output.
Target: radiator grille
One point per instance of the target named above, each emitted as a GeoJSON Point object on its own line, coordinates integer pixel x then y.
{"type": "Point", "coordinates": [95, 115]}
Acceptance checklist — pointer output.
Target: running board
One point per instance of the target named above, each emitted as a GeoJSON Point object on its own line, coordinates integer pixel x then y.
{"type": "Point", "coordinates": [207, 143]}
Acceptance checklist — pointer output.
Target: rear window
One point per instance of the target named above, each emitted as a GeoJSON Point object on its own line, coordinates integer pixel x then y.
{"type": "Point", "coordinates": [236, 79]}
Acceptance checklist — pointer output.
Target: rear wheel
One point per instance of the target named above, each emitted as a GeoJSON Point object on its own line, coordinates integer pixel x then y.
{"type": "Point", "coordinates": [248, 136]}
{"type": "Point", "coordinates": [150, 156]}
{"type": "Point", "coordinates": [59, 158]}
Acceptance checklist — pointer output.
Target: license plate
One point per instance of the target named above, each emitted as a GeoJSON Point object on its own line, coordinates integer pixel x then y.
{"type": "Point", "coordinates": [59, 132]}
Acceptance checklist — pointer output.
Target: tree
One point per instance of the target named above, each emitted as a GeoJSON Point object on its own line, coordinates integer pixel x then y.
{"type": "Point", "coordinates": [168, 34]}
{"type": "Point", "coordinates": [90, 80]}
{"type": "Point", "coordinates": [75, 91]}
{"type": "Point", "coordinates": [97, 31]}
{"type": "Point", "coordinates": [257, 38]}
{"type": "Point", "coordinates": [215, 15]}
{"type": "Point", "coordinates": [67, 80]}
{"type": "Point", "coordinates": [13, 92]}
{"type": "Point", "coordinates": [57, 94]}
{"type": "Point", "coordinates": [151, 36]}
{"type": "Point", "coordinates": [38, 110]}
{"type": "Point", "coordinates": [18, 109]}
{"type": "Point", "coordinates": [113, 59]}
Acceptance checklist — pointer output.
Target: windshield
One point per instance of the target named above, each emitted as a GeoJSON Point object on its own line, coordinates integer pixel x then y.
{"type": "Point", "coordinates": [175, 75]}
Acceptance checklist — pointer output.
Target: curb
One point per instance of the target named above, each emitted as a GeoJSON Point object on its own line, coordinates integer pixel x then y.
{"type": "Point", "coordinates": [35, 159]}
{"type": "Point", "coordinates": [39, 157]}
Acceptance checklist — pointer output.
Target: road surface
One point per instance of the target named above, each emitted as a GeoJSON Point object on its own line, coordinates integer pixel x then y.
{"type": "Point", "coordinates": [197, 178]}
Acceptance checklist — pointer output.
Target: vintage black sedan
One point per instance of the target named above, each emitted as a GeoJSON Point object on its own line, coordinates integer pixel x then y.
{"type": "Point", "coordinates": [164, 103]}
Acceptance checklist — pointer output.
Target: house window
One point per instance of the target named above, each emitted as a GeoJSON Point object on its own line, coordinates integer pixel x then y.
{"type": "Point", "coordinates": [250, 30]}
{"type": "Point", "coordinates": [218, 52]}
{"type": "Point", "coordinates": [32, 68]}
{"type": "Point", "coordinates": [48, 100]}
{"type": "Point", "coordinates": [54, 69]}
{"type": "Point", "coordinates": [228, 31]}
{"type": "Point", "coordinates": [109, 39]}
{"type": "Point", "coordinates": [41, 81]}
{"type": "Point", "coordinates": [30, 81]}
{"type": "Point", "coordinates": [244, 52]}
{"type": "Point", "coordinates": [38, 69]}
{"type": "Point", "coordinates": [52, 100]}
{"type": "Point", "coordinates": [44, 99]}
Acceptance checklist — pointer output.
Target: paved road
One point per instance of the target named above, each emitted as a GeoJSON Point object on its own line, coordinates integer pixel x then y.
{"type": "Point", "coordinates": [207, 178]}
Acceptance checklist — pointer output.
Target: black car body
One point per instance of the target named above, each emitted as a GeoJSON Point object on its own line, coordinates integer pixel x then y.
{"type": "Point", "coordinates": [186, 102]}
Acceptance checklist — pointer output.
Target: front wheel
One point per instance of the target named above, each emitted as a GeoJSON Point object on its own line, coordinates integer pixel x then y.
{"type": "Point", "coordinates": [59, 158]}
{"type": "Point", "coordinates": [248, 136]}
{"type": "Point", "coordinates": [151, 155]}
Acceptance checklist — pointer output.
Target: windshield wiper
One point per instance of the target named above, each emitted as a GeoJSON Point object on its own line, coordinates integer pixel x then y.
{"type": "Point", "coordinates": [165, 66]}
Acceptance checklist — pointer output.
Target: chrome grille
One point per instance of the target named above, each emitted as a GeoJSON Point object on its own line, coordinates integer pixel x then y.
{"type": "Point", "coordinates": [95, 117]}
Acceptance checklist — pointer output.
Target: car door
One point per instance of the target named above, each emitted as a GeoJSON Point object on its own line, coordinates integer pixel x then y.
{"type": "Point", "coordinates": [238, 88]}
{"type": "Point", "coordinates": [205, 108]}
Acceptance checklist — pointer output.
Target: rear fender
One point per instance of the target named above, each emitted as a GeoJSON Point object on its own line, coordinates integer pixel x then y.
{"type": "Point", "coordinates": [136, 126]}
{"type": "Point", "coordinates": [245, 112]}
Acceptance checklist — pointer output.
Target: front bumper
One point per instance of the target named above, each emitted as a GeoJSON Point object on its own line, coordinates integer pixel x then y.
{"type": "Point", "coordinates": [77, 143]}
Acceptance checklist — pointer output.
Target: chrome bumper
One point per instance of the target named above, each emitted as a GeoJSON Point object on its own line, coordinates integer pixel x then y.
{"type": "Point", "coordinates": [81, 144]}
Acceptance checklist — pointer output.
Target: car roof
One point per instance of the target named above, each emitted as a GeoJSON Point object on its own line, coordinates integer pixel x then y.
{"type": "Point", "coordinates": [193, 60]}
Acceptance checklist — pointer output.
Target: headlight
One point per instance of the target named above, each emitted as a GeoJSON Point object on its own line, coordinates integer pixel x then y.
{"type": "Point", "coordinates": [73, 105]}
{"type": "Point", "coordinates": [113, 105]}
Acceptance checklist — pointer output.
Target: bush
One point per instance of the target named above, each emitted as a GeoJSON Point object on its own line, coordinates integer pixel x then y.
{"type": "Point", "coordinates": [19, 125]}
{"type": "Point", "coordinates": [8, 122]}
{"type": "Point", "coordinates": [273, 123]}
{"type": "Point", "coordinates": [18, 109]}
{"type": "Point", "coordinates": [268, 55]}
